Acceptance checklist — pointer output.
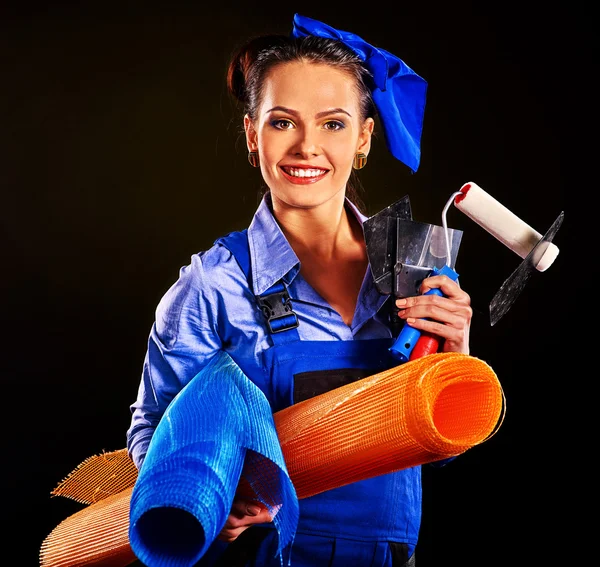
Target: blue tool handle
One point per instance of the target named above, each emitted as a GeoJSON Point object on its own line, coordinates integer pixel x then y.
{"type": "Point", "coordinates": [408, 337]}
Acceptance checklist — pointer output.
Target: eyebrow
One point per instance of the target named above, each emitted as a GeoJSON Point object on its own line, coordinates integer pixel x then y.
{"type": "Point", "coordinates": [318, 115]}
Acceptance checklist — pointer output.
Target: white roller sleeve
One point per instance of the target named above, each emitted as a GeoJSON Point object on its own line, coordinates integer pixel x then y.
{"type": "Point", "coordinates": [501, 223]}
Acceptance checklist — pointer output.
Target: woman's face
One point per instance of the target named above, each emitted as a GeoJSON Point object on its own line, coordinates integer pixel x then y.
{"type": "Point", "coordinates": [307, 132]}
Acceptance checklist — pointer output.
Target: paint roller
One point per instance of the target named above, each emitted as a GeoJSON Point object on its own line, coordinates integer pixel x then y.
{"type": "Point", "coordinates": [503, 224]}
{"type": "Point", "coordinates": [537, 250]}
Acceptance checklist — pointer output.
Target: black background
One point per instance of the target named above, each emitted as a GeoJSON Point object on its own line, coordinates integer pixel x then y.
{"type": "Point", "coordinates": [123, 156]}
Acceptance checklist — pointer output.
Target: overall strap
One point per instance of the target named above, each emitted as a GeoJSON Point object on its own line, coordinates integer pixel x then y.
{"type": "Point", "coordinates": [275, 302]}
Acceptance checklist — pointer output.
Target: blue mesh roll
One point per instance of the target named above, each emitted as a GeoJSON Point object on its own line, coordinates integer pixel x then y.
{"type": "Point", "coordinates": [218, 429]}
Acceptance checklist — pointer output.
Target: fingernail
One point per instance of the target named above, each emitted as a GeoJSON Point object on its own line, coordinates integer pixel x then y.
{"type": "Point", "coordinates": [400, 302]}
{"type": "Point", "coordinates": [252, 510]}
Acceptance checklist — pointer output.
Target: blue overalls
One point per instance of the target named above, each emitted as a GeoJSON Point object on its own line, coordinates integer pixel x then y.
{"type": "Point", "coordinates": [371, 523]}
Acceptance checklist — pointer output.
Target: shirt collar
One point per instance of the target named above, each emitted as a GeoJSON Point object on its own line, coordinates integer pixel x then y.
{"type": "Point", "coordinates": [271, 255]}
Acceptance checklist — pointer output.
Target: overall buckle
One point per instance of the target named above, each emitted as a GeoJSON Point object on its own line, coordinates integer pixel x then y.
{"type": "Point", "coordinates": [276, 306]}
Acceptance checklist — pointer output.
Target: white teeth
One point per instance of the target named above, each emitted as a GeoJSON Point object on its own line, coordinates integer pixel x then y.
{"type": "Point", "coordinates": [297, 172]}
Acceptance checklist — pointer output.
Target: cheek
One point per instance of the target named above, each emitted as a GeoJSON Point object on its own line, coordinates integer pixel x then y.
{"type": "Point", "coordinates": [270, 149]}
{"type": "Point", "coordinates": [342, 147]}
{"type": "Point", "coordinates": [342, 156]}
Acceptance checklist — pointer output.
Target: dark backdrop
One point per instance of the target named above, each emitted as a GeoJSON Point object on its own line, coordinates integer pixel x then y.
{"type": "Point", "coordinates": [123, 156]}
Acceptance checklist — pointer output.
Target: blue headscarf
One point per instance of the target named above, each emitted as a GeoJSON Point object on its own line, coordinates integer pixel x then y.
{"type": "Point", "coordinates": [398, 92]}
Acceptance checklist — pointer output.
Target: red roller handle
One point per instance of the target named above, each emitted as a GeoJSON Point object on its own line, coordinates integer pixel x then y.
{"type": "Point", "coordinates": [426, 344]}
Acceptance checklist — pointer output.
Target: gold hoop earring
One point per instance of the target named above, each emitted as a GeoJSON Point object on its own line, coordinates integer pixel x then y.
{"type": "Point", "coordinates": [360, 160]}
{"type": "Point", "coordinates": [253, 159]}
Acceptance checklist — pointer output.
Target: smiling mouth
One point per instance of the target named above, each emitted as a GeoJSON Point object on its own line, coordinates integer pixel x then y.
{"type": "Point", "coordinates": [304, 175]}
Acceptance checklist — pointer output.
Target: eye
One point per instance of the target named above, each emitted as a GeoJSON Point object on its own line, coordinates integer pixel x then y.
{"type": "Point", "coordinates": [282, 124]}
{"type": "Point", "coordinates": [334, 125]}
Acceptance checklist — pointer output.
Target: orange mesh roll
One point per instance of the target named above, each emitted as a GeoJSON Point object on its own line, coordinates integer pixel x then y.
{"type": "Point", "coordinates": [422, 411]}
{"type": "Point", "coordinates": [96, 535]}
{"type": "Point", "coordinates": [425, 410]}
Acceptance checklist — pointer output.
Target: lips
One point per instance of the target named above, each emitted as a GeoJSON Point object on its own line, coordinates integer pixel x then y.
{"type": "Point", "coordinates": [303, 175]}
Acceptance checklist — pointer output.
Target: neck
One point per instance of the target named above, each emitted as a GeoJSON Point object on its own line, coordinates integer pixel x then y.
{"type": "Point", "coordinates": [320, 230]}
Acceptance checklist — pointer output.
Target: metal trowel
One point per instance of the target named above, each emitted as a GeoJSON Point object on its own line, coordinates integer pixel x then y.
{"type": "Point", "coordinates": [402, 253]}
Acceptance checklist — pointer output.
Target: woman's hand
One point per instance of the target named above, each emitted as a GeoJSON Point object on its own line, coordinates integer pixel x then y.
{"type": "Point", "coordinates": [244, 514]}
{"type": "Point", "coordinates": [448, 316]}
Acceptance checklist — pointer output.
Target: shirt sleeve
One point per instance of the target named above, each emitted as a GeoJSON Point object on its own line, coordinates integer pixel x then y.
{"type": "Point", "coordinates": [183, 339]}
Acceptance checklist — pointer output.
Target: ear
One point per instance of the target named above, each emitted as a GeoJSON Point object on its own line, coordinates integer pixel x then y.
{"type": "Point", "coordinates": [364, 140]}
{"type": "Point", "coordinates": [251, 135]}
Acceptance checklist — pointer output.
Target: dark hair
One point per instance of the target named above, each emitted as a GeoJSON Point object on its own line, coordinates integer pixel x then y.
{"type": "Point", "coordinates": [251, 63]}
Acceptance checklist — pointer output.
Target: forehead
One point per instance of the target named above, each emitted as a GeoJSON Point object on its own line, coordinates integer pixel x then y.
{"type": "Point", "coordinates": [306, 86]}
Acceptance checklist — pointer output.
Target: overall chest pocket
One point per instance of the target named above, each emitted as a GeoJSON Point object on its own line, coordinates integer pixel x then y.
{"type": "Point", "coordinates": [310, 384]}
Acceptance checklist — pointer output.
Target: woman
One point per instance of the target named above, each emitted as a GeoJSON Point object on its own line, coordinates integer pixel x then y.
{"type": "Point", "coordinates": [310, 102]}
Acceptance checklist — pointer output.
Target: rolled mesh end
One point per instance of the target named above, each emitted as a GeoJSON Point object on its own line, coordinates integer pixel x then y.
{"type": "Point", "coordinates": [96, 535]}
{"type": "Point", "coordinates": [169, 536]}
{"type": "Point", "coordinates": [466, 413]}
{"type": "Point", "coordinates": [459, 404]}
{"type": "Point", "coordinates": [176, 512]}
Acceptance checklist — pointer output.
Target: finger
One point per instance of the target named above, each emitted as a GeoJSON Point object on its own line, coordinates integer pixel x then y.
{"type": "Point", "coordinates": [455, 339]}
{"type": "Point", "coordinates": [229, 535]}
{"type": "Point", "coordinates": [440, 322]}
{"type": "Point", "coordinates": [243, 514]}
{"type": "Point", "coordinates": [431, 306]}
{"type": "Point", "coordinates": [262, 516]}
{"type": "Point", "coordinates": [234, 527]}
{"type": "Point", "coordinates": [447, 286]}
{"type": "Point", "coordinates": [242, 507]}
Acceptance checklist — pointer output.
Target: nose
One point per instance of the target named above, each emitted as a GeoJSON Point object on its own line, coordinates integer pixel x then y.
{"type": "Point", "coordinates": [307, 145]}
